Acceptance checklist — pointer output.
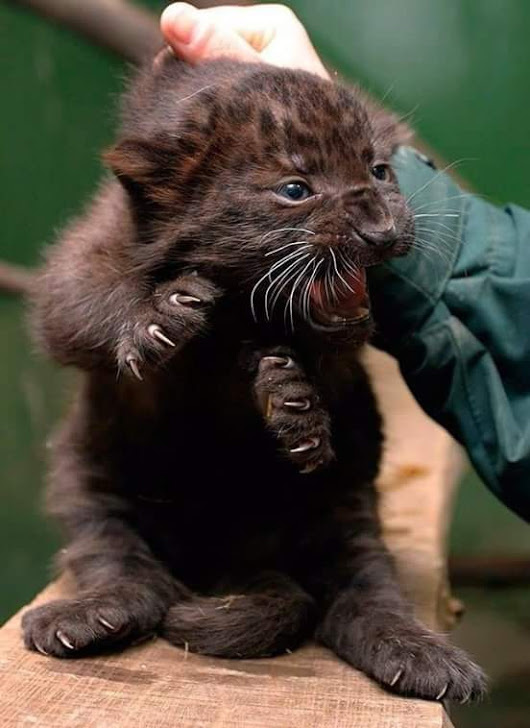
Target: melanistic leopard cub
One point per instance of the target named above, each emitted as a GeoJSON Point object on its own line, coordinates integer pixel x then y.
{"type": "Point", "coordinates": [215, 473]}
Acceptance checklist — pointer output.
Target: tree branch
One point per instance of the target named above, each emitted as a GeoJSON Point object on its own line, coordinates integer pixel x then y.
{"type": "Point", "coordinates": [117, 25]}
{"type": "Point", "coordinates": [490, 571]}
{"type": "Point", "coordinates": [15, 278]}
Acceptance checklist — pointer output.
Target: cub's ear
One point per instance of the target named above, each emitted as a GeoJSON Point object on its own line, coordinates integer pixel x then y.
{"type": "Point", "coordinates": [145, 168]}
{"type": "Point", "coordinates": [388, 131]}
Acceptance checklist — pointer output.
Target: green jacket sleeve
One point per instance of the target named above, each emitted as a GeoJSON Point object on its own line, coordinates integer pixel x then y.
{"type": "Point", "coordinates": [455, 312]}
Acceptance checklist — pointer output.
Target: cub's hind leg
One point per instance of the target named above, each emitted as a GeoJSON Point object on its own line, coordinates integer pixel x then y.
{"type": "Point", "coordinates": [292, 409]}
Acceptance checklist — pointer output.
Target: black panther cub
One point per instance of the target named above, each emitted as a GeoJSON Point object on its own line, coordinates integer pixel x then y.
{"type": "Point", "coordinates": [215, 473]}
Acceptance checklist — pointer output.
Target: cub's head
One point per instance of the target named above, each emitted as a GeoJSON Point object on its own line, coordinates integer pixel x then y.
{"type": "Point", "coordinates": [276, 183]}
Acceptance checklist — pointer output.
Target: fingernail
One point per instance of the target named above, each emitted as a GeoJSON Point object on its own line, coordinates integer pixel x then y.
{"type": "Point", "coordinates": [179, 21]}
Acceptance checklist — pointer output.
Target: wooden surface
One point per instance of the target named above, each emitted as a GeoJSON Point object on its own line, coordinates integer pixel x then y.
{"type": "Point", "coordinates": [421, 468]}
{"type": "Point", "coordinates": [156, 685]}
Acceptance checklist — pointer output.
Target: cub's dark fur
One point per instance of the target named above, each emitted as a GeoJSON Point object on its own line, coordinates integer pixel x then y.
{"type": "Point", "coordinates": [215, 473]}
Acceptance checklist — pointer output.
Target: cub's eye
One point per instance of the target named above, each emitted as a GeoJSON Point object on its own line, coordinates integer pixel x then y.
{"type": "Point", "coordinates": [381, 172]}
{"type": "Point", "coordinates": [294, 191]}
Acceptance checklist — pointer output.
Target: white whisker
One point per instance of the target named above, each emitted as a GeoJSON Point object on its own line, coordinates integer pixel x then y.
{"type": "Point", "coordinates": [289, 303]}
{"type": "Point", "coordinates": [436, 233]}
{"type": "Point", "coordinates": [281, 277]}
{"type": "Point", "coordinates": [305, 295]}
{"type": "Point", "coordinates": [195, 93]}
{"type": "Point", "coordinates": [328, 288]}
{"type": "Point", "coordinates": [286, 258]}
{"type": "Point", "coordinates": [427, 248]}
{"type": "Point", "coordinates": [440, 201]}
{"type": "Point", "coordinates": [276, 265]}
{"type": "Point", "coordinates": [338, 272]}
{"type": "Point", "coordinates": [433, 179]}
{"type": "Point", "coordinates": [350, 267]}
{"type": "Point", "coordinates": [307, 304]}
{"type": "Point", "coordinates": [288, 245]}
{"type": "Point", "coordinates": [285, 279]}
{"type": "Point", "coordinates": [438, 214]}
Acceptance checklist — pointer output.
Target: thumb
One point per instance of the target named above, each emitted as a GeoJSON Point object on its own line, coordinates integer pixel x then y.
{"type": "Point", "coordinates": [193, 37]}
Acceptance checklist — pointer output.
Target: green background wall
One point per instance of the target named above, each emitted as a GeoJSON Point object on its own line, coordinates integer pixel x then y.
{"type": "Point", "coordinates": [461, 69]}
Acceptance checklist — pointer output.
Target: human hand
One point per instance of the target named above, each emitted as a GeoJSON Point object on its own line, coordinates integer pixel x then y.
{"type": "Point", "coordinates": [257, 33]}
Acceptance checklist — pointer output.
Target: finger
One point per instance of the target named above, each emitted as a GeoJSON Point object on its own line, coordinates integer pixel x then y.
{"type": "Point", "coordinates": [195, 37]}
{"type": "Point", "coordinates": [269, 33]}
{"type": "Point", "coordinates": [274, 31]}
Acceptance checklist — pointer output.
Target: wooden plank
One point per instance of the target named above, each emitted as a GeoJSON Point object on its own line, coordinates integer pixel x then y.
{"type": "Point", "coordinates": [421, 468]}
{"type": "Point", "coordinates": [156, 685]}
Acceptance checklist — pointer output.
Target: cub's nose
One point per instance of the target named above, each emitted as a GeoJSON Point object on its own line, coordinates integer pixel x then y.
{"type": "Point", "coordinates": [383, 237]}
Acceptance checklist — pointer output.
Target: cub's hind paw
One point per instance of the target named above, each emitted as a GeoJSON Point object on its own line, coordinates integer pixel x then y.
{"type": "Point", "coordinates": [292, 410]}
{"type": "Point", "coordinates": [176, 313]}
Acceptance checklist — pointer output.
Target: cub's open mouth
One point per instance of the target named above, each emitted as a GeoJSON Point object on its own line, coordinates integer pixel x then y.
{"type": "Point", "coordinates": [348, 304]}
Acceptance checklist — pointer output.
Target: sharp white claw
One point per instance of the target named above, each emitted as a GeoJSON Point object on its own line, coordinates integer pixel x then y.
{"type": "Point", "coordinates": [132, 363]}
{"type": "Point", "coordinates": [285, 362]}
{"type": "Point", "coordinates": [40, 649]}
{"type": "Point", "coordinates": [64, 640]}
{"type": "Point", "coordinates": [310, 444]}
{"type": "Point", "coordinates": [107, 624]}
{"type": "Point", "coordinates": [181, 299]}
{"type": "Point", "coordinates": [311, 468]}
{"type": "Point", "coordinates": [300, 404]}
{"type": "Point", "coordinates": [442, 692]}
{"type": "Point", "coordinates": [396, 677]}
{"type": "Point", "coordinates": [156, 332]}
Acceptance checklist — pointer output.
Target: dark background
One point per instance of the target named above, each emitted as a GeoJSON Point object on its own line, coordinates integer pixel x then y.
{"type": "Point", "coordinates": [460, 68]}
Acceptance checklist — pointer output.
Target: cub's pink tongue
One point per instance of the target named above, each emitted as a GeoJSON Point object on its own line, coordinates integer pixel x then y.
{"type": "Point", "coordinates": [347, 301]}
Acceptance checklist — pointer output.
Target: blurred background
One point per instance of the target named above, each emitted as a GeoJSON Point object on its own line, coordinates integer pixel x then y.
{"type": "Point", "coordinates": [460, 68]}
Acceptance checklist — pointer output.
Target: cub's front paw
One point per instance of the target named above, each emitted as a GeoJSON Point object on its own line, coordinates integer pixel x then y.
{"type": "Point", "coordinates": [292, 410]}
{"type": "Point", "coordinates": [406, 658]}
{"type": "Point", "coordinates": [71, 627]}
{"type": "Point", "coordinates": [177, 312]}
